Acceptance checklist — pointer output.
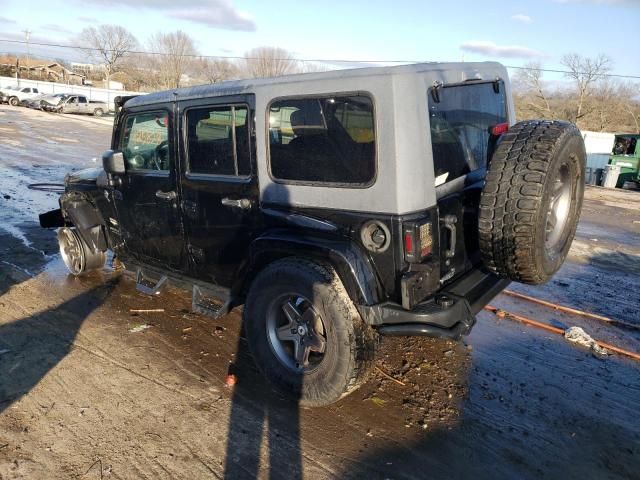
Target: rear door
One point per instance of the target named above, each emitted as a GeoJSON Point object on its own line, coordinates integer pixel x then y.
{"type": "Point", "coordinates": [461, 118]}
{"type": "Point", "coordinates": [219, 185]}
{"type": "Point", "coordinates": [146, 200]}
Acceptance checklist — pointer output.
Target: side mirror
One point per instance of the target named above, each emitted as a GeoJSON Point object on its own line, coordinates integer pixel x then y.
{"type": "Point", "coordinates": [113, 162]}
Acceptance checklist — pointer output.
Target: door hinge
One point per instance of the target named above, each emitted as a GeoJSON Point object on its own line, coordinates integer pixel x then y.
{"type": "Point", "coordinates": [196, 253]}
{"type": "Point", "coordinates": [190, 208]}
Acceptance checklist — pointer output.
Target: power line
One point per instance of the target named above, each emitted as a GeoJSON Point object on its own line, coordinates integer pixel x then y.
{"type": "Point", "coordinates": [318, 60]}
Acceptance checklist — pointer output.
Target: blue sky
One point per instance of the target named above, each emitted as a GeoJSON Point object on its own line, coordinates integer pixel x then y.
{"type": "Point", "coordinates": [513, 32]}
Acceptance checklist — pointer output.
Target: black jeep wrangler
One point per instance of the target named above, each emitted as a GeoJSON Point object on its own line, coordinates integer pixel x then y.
{"type": "Point", "coordinates": [335, 206]}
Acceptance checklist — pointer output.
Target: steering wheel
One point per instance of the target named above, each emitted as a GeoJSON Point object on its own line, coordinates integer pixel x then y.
{"type": "Point", "coordinates": [156, 157]}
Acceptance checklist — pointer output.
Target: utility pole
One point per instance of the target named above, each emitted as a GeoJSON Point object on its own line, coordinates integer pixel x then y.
{"type": "Point", "coordinates": [27, 36]}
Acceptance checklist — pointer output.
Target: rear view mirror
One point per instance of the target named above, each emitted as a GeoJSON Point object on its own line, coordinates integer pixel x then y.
{"type": "Point", "coordinates": [113, 162]}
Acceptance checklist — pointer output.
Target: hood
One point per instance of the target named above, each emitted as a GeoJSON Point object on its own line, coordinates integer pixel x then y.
{"type": "Point", "coordinates": [87, 176]}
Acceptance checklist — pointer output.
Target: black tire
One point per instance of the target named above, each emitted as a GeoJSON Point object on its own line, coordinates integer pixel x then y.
{"type": "Point", "coordinates": [519, 238]}
{"type": "Point", "coordinates": [98, 112]}
{"type": "Point", "coordinates": [13, 101]}
{"type": "Point", "coordinates": [350, 343]}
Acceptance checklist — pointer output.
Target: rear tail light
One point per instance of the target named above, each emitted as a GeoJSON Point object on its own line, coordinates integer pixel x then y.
{"type": "Point", "coordinates": [418, 241]}
{"type": "Point", "coordinates": [499, 129]}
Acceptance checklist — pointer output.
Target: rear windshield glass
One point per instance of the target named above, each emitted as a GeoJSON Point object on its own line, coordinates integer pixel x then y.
{"type": "Point", "coordinates": [461, 117]}
{"type": "Point", "coordinates": [324, 140]}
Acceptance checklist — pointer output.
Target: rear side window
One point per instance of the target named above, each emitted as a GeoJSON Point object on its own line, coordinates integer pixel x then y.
{"type": "Point", "coordinates": [218, 141]}
{"type": "Point", "coordinates": [461, 117]}
{"type": "Point", "coordinates": [323, 140]}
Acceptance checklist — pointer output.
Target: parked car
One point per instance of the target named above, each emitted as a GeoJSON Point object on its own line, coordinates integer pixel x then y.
{"type": "Point", "coordinates": [80, 104]}
{"type": "Point", "coordinates": [5, 92]}
{"type": "Point", "coordinates": [336, 206]}
{"type": "Point", "coordinates": [46, 99]}
{"type": "Point", "coordinates": [13, 96]}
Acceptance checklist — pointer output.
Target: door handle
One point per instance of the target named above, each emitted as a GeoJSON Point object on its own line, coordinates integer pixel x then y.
{"type": "Point", "coordinates": [242, 203]}
{"type": "Point", "coordinates": [449, 222]}
{"type": "Point", "coordinates": [168, 196]}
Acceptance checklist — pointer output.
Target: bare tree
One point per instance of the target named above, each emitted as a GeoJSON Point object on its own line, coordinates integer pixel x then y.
{"type": "Point", "coordinates": [628, 94]}
{"type": "Point", "coordinates": [214, 71]}
{"type": "Point", "coordinates": [585, 72]}
{"type": "Point", "coordinates": [171, 55]}
{"type": "Point", "coordinates": [108, 44]}
{"type": "Point", "coordinates": [531, 79]}
{"type": "Point", "coordinates": [269, 62]}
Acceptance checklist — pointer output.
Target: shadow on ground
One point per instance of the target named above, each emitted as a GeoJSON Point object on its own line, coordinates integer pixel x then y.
{"type": "Point", "coordinates": [31, 346]}
{"type": "Point", "coordinates": [261, 419]}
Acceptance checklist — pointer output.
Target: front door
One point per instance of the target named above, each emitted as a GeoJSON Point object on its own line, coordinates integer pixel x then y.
{"type": "Point", "coordinates": [219, 185]}
{"type": "Point", "coordinates": [146, 200]}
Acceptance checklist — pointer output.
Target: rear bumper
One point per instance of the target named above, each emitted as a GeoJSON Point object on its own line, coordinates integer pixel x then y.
{"type": "Point", "coordinates": [449, 314]}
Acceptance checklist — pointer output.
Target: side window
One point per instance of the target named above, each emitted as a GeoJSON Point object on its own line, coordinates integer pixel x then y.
{"type": "Point", "coordinates": [82, 100]}
{"type": "Point", "coordinates": [218, 140]}
{"type": "Point", "coordinates": [144, 141]}
{"type": "Point", "coordinates": [35, 90]}
{"type": "Point", "coordinates": [323, 140]}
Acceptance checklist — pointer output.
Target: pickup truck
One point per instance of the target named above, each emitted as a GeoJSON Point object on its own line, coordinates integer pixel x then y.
{"type": "Point", "coordinates": [15, 95]}
{"type": "Point", "coordinates": [80, 104]}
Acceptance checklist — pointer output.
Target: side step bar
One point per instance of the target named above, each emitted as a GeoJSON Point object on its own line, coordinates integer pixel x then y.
{"type": "Point", "coordinates": [207, 304]}
{"type": "Point", "coordinates": [208, 300]}
{"type": "Point", "coordinates": [146, 286]}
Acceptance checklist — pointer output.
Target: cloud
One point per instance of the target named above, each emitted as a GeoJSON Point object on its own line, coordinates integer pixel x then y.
{"type": "Point", "coordinates": [88, 19]}
{"type": "Point", "coordinates": [6, 20]}
{"type": "Point", "coordinates": [490, 49]}
{"type": "Point", "coordinates": [212, 13]}
{"type": "Point", "coordinates": [52, 27]}
{"type": "Point", "coordinates": [521, 17]}
{"type": "Point", "coordinates": [216, 18]}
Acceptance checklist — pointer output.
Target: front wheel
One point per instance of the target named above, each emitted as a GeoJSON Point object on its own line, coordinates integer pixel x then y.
{"type": "Point", "coordinates": [305, 333]}
{"type": "Point", "coordinates": [77, 256]}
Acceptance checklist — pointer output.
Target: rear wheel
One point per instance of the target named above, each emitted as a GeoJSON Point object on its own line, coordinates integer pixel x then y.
{"type": "Point", "coordinates": [98, 112]}
{"type": "Point", "coordinates": [77, 256]}
{"type": "Point", "coordinates": [530, 204]}
{"type": "Point", "coordinates": [13, 101]}
{"type": "Point", "coordinates": [305, 333]}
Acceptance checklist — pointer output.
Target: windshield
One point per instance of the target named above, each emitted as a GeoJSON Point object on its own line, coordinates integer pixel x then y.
{"type": "Point", "coordinates": [461, 117]}
{"type": "Point", "coordinates": [625, 146]}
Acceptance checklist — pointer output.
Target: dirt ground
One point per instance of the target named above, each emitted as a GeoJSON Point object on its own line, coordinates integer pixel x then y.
{"type": "Point", "coordinates": [90, 390]}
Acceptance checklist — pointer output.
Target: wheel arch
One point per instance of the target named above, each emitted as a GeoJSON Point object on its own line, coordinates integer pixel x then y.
{"type": "Point", "coordinates": [351, 265]}
{"type": "Point", "coordinates": [81, 211]}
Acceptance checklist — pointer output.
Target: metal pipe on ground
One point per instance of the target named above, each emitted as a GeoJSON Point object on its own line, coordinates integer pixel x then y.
{"type": "Point", "coordinates": [574, 311]}
{"type": "Point", "coordinates": [559, 331]}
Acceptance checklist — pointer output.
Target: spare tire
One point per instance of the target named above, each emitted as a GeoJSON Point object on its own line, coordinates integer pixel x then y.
{"type": "Point", "coordinates": [531, 201]}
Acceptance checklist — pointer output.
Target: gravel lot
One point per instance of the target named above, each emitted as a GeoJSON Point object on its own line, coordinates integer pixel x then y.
{"type": "Point", "coordinates": [90, 390]}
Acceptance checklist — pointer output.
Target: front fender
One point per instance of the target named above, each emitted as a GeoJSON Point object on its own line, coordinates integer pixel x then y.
{"type": "Point", "coordinates": [351, 264]}
{"type": "Point", "coordinates": [86, 217]}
